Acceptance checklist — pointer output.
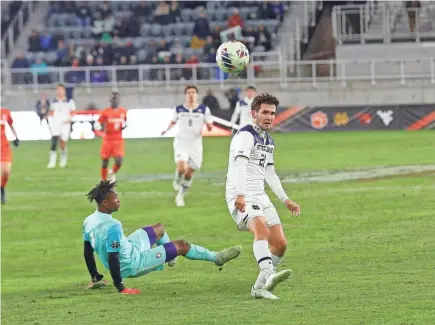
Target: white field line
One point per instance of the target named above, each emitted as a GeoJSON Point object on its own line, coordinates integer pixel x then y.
{"type": "Point", "coordinates": [150, 194]}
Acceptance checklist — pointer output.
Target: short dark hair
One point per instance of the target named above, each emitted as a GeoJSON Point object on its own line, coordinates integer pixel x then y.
{"type": "Point", "coordinates": [263, 98]}
{"type": "Point", "coordinates": [190, 87]}
{"type": "Point", "coordinates": [250, 87]}
{"type": "Point", "coordinates": [100, 192]}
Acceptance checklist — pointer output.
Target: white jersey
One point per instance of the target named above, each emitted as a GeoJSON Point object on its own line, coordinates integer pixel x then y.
{"type": "Point", "coordinates": [190, 123]}
{"type": "Point", "coordinates": [243, 110]}
{"type": "Point", "coordinates": [256, 145]}
{"type": "Point", "coordinates": [62, 110]}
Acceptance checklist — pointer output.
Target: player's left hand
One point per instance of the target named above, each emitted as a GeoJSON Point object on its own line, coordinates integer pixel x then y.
{"type": "Point", "coordinates": [97, 284]}
{"type": "Point", "coordinates": [293, 207]}
{"type": "Point", "coordinates": [209, 127]}
{"type": "Point", "coordinates": [16, 142]}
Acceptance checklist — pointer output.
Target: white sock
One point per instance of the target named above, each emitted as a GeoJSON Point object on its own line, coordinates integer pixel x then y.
{"type": "Point", "coordinates": [53, 155]}
{"type": "Point", "coordinates": [262, 254]}
{"type": "Point", "coordinates": [276, 260]}
{"type": "Point", "coordinates": [185, 185]}
{"type": "Point", "coordinates": [64, 153]}
{"type": "Point", "coordinates": [264, 259]}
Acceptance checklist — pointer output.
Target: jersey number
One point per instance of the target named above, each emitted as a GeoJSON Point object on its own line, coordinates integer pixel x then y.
{"type": "Point", "coordinates": [190, 122]}
{"type": "Point", "coordinates": [262, 160]}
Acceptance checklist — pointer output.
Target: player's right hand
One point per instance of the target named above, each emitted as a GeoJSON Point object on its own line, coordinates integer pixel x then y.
{"type": "Point", "coordinates": [240, 203]}
{"type": "Point", "coordinates": [130, 291]}
{"type": "Point", "coordinates": [16, 142]}
{"type": "Point", "coordinates": [163, 133]}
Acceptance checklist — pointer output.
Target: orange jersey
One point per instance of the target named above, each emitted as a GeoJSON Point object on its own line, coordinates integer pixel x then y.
{"type": "Point", "coordinates": [5, 118]}
{"type": "Point", "coordinates": [113, 120]}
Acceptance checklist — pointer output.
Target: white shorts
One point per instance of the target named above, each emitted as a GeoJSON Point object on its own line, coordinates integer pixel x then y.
{"type": "Point", "coordinates": [258, 206]}
{"type": "Point", "coordinates": [191, 154]}
{"type": "Point", "coordinates": [61, 131]}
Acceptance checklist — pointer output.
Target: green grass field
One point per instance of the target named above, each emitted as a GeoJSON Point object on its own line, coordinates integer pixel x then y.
{"type": "Point", "coordinates": [362, 251]}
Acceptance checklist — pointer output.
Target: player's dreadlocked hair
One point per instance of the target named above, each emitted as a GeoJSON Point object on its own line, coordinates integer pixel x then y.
{"type": "Point", "coordinates": [264, 98]}
{"type": "Point", "coordinates": [100, 191]}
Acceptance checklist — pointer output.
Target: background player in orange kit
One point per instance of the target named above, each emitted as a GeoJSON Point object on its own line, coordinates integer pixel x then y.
{"type": "Point", "coordinates": [112, 121]}
{"type": "Point", "coordinates": [6, 152]}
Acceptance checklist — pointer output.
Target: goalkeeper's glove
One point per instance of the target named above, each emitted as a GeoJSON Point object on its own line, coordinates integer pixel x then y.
{"type": "Point", "coordinates": [16, 142]}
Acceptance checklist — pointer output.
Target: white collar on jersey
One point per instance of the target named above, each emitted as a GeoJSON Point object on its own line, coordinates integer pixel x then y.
{"type": "Point", "coordinates": [248, 101]}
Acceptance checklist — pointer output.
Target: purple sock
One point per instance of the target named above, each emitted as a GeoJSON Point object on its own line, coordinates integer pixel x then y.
{"type": "Point", "coordinates": [151, 234]}
{"type": "Point", "coordinates": [171, 251]}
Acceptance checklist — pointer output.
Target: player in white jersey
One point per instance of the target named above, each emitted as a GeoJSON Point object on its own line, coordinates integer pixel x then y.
{"type": "Point", "coordinates": [251, 163]}
{"type": "Point", "coordinates": [61, 110]}
{"type": "Point", "coordinates": [191, 118]}
{"type": "Point", "coordinates": [243, 108]}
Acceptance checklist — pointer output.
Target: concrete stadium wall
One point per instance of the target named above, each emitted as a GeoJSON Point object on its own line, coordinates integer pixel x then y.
{"type": "Point", "coordinates": [326, 93]}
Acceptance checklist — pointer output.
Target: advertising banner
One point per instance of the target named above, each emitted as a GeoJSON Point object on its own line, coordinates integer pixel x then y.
{"type": "Point", "coordinates": [142, 123]}
{"type": "Point", "coordinates": [374, 117]}
{"type": "Point", "coordinates": [148, 123]}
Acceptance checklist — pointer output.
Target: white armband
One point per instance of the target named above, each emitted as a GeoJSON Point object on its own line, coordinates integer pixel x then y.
{"type": "Point", "coordinates": [275, 184]}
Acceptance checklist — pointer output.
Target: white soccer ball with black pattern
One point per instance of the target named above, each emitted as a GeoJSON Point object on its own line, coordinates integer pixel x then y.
{"type": "Point", "coordinates": [232, 57]}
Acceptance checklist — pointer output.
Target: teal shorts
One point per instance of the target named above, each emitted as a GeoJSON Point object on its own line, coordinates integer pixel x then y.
{"type": "Point", "coordinates": [146, 259]}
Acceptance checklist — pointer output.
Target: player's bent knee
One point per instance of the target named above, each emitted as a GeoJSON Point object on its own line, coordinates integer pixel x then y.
{"type": "Point", "coordinates": [118, 161]}
{"type": "Point", "coordinates": [189, 173]}
{"type": "Point", "coordinates": [159, 229]}
{"type": "Point", "coordinates": [183, 246]}
{"type": "Point", "coordinates": [279, 245]}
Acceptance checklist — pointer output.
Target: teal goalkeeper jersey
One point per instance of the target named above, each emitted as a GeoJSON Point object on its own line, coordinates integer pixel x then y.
{"type": "Point", "coordinates": [106, 236]}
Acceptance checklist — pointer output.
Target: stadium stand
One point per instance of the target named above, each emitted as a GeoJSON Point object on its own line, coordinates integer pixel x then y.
{"type": "Point", "coordinates": [386, 31]}
{"type": "Point", "coordinates": [147, 31]}
{"type": "Point", "coordinates": [126, 33]}
{"type": "Point", "coordinates": [14, 15]}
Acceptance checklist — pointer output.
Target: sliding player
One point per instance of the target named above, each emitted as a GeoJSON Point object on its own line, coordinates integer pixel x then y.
{"type": "Point", "coordinates": [133, 256]}
{"type": "Point", "coordinates": [188, 142]}
{"type": "Point", "coordinates": [62, 109]}
{"type": "Point", "coordinates": [112, 121]}
{"type": "Point", "coordinates": [250, 164]}
{"type": "Point", "coordinates": [6, 152]}
{"type": "Point", "coordinates": [243, 108]}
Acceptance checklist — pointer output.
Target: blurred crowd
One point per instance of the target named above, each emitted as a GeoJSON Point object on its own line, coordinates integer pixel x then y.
{"type": "Point", "coordinates": [113, 44]}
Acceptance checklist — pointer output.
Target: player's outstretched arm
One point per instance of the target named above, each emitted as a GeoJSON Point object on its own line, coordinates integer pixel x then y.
{"type": "Point", "coordinates": [275, 184]}
{"type": "Point", "coordinates": [115, 272]}
{"type": "Point", "coordinates": [96, 278]}
{"type": "Point", "coordinates": [170, 126]}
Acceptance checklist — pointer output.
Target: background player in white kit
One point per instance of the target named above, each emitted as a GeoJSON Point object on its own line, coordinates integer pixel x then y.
{"type": "Point", "coordinates": [243, 108]}
{"type": "Point", "coordinates": [188, 142]}
{"type": "Point", "coordinates": [250, 164]}
{"type": "Point", "coordinates": [60, 125]}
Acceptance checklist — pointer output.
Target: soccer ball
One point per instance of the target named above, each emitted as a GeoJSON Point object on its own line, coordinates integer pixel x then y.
{"type": "Point", "coordinates": [232, 57]}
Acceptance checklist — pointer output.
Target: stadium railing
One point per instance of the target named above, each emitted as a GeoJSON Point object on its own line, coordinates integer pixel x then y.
{"type": "Point", "coordinates": [382, 23]}
{"type": "Point", "coordinates": [207, 73]}
{"type": "Point", "coordinates": [16, 26]}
